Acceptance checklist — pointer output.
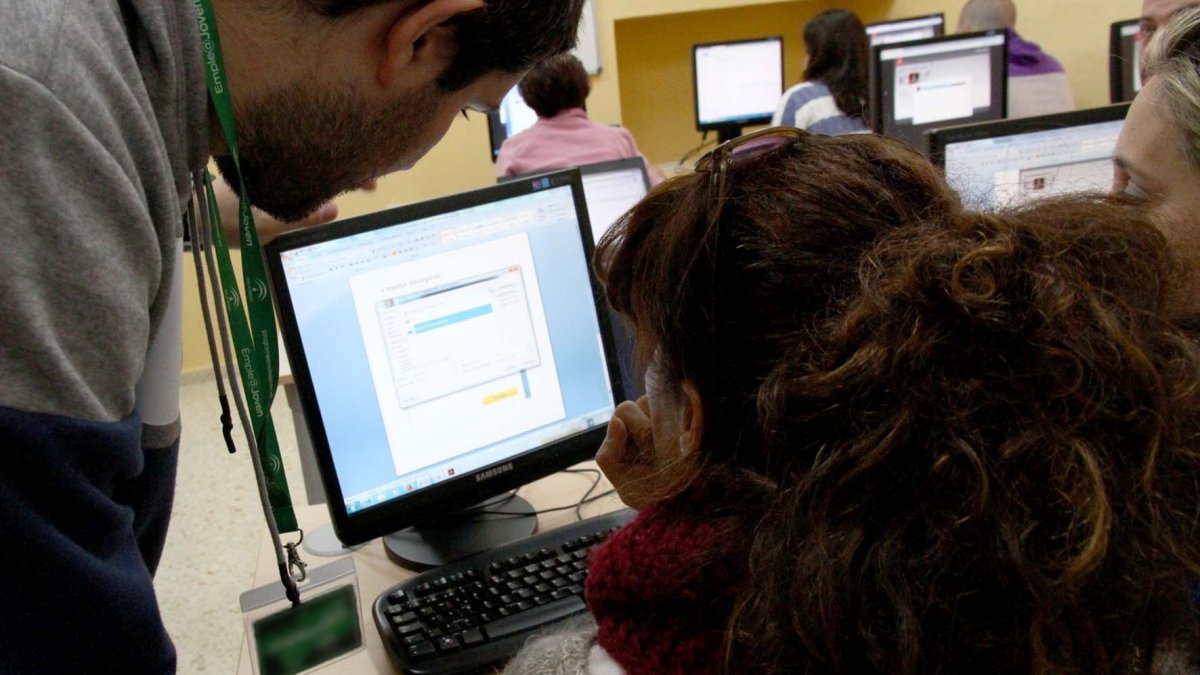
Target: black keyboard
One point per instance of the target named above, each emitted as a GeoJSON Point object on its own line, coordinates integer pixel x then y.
{"type": "Point", "coordinates": [468, 615]}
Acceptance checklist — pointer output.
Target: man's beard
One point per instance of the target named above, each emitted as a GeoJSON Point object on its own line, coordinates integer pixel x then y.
{"type": "Point", "coordinates": [300, 148]}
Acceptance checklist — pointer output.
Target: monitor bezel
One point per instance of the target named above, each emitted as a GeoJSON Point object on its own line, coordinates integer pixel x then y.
{"type": "Point", "coordinates": [741, 122]}
{"type": "Point", "coordinates": [939, 139]}
{"type": "Point", "coordinates": [876, 103]}
{"type": "Point", "coordinates": [497, 133]}
{"type": "Point", "coordinates": [936, 15]}
{"type": "Point", "coordinates": [1116, 83]}
{"type": "Point", "coordinates": [609, 166]}
{"type": "Point", "coordinates": [435, 502]}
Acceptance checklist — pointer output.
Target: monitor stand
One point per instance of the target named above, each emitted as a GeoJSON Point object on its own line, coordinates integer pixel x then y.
{"type": "Point", "coordinates": [728, 133]}
{"type": "Point", "coordinates": [462, 534]}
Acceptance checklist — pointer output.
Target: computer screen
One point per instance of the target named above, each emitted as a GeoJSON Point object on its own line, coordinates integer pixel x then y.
{"type": "Point", "coordinates": [447, 352]}
{"type": "Point", "coordinates": [940, 82]}
{"type": "Point", "coordinates": [512, 117]}
{"type": "Point", "coordinates": [612, 189]}
{"type": "Point", "coordinates": [1013, 162]}
{"type": "Point", "coordinates": [738, 84]}
{"type": "Point", "coordinates": [907, 30]}
{"type": "Point", "coordinates": [1125, 60]}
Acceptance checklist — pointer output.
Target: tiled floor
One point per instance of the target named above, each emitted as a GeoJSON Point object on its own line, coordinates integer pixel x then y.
{"type": "Point", "coordinates": [212, 547]}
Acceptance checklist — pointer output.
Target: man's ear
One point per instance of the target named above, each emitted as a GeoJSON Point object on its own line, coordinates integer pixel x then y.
{"type": "Point", "coordinates": [414, 37]}
{"type": "Point", "coordinates": [693, 420]}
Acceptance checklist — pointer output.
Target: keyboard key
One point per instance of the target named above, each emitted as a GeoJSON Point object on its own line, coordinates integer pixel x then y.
{"type": "Point", "coordinates": [532, 569]}
{"type": "Point", "coordinates": [421, 651]}
{"type": "Point", "coordinates": [580, 555]}
{"type": "Point", "coordinates": [472, 637]}
{"type": "Point", "coordinates": [401, 619]}
{"type": "Point", "coordinates": [448, 644]}
{"type": "Point", "coordinates": [398, 597]}
{"type": "Point", "coordinates": [543, 587]}
{"type": "Point", "coordinates": [530, 580]}
{"type": "Point", "coordinates": [524, 605]}
{"type": "Point", "coordinates": [528, 620]}
{"type": "Point", "coordinates": [408, 629]}
{"type": "Point", "coordinates": [561, 593]}
{"type": "Point", "coordinates": [525, 593]}
{"type": "Point", "coordinates": [546, 575]}
{"type": "Point", "coordinates": [412, 640]}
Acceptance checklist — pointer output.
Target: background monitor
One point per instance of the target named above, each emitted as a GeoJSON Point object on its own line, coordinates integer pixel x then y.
{"type": "Point", "coordinates": [907, 30]}
{"type": "Point", "coordinates": [512, 117]}
{"type": "Point", "coordinates": [938, 82]}
{"type": "Point", "coordinates": [1125, 60]}
{"type": "Point", "coordinates": [1010, 163]}
{"type": "Point", "coordinates": [737, 84]}
{"type": "Point", "coordinates": [447, 352]}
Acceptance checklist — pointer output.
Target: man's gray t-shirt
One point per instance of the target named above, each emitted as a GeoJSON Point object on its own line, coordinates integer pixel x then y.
{"type": "Point", "coordinates": [103, 115]}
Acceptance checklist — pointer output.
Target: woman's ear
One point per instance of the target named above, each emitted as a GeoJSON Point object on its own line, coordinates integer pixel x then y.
{"type": "Point", "coordinates": [692, 420]}
{"type": "Point", "coordinates": [409, 38]}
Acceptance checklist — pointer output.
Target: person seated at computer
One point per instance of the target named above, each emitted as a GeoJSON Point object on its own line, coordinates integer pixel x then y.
{"type": "Point", "coordinates": [832, 99]}
{"type": "Point", "coordinates": [1037, 82]}
{"type": "Point", "coordinates": [1158, 152]}
{"type": "Point", "coordinates": [884, 434]}
{"type": "Point", "coordinates": [1156, 13]}
{"type": "Point", "coordinates": [564, 136]}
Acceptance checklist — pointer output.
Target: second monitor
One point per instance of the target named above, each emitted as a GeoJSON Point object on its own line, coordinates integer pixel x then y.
{"type": "Point", "coordinates": [738, 84]}
{"type": "Point", "coordinates": [907, 30]}
{"type": "Point", "coordinates": [928, 84]}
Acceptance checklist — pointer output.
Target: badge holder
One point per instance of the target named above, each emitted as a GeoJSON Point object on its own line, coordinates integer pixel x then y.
{"type": "Point", "coordinates": [324, 629]}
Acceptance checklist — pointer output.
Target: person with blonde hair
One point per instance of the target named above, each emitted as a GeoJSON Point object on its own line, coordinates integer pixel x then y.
{"type": "Point", "coordinates": [1158, 153]}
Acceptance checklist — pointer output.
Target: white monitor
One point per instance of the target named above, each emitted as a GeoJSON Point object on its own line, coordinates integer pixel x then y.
{"type": "Point", "coordinates": [512, 117]}
{"type": "Point", "coordinates": [907, 30]}
{"type": "Point", "coordinates": [738, 84]}
{"type": "Point", "coordinates": [1011, 163]}
{"type": "Point", "coordinates": [940, 82]}
{"type": "Point", "coordinates": [611, 189]}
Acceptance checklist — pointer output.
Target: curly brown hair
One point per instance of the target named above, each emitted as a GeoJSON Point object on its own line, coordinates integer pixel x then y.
{"type": "Point", "coordinates": [978, 432]}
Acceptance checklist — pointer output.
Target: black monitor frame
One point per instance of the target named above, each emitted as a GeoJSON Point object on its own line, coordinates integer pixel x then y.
{"type": "Point", "coordinates": [875, 105]}
{"type": "Point", "coordinates": [731, 129]}
{"type": "Point", "coordinates": [1117, 63]}
{"type": "Point", "coordinates": [591, 169]}
{"type": "Point", "coordinates": [939, 139]}
{"type": "Point", "coordinates": [433, 504]}
{"type": "Point", "coordinates": [938, 15]}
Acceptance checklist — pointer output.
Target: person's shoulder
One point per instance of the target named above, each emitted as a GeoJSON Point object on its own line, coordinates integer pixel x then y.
{"type": "Point", "coordinates": [807, 91]}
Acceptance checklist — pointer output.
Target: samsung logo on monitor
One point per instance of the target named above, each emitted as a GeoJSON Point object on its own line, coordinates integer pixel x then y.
{"type": "Point", "coordinates": [492, 473]}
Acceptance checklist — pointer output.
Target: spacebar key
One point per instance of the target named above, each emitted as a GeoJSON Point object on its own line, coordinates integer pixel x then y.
{"type": "Point", "coordinates": [535, 617]}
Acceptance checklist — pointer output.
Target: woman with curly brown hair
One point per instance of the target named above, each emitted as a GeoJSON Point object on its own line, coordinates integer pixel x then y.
{"type": "Point", "coordinates": [887, 435]}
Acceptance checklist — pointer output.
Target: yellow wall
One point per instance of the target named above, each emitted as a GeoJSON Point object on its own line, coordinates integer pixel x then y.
{"type": "Point", "coordinates": [654, 52]}
{"type": "Point", "coordinates": [646, 84]}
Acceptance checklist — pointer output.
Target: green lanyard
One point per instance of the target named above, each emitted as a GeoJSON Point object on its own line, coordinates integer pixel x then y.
{"type": "Point", "coordinates": [255, 340]}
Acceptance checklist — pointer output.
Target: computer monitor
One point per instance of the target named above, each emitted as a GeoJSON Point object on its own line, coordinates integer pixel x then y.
{"type": "Point", "coordinates": [738, 84]}
{"type": "Point", "coordinates": [907, 30]}
{"type": "Point", "coordinates": [1125, 60]}
{"type": "Point", "coordinates": [512, 117]}
{"type": "Point", "coordinates": [445, 353]}
{"type": "Point", "coordinates": [1012, 162]}
{"type": "Point", "coordinates": [939, 82]}
{"type": "Point", "coordinates": [612, 189]}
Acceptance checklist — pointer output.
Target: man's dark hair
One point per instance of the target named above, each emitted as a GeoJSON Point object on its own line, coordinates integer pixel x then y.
{"type": "Point", "coordinates": [556, 84]}
{"type": "Point", "coordinates": [507, 35]}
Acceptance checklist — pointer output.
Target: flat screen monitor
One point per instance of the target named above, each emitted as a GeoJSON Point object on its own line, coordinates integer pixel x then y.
{"type": "Point", "coordinates": [1125, 60]}
{"type": "Point", "coordinates": [611, 189]}
{"type": "Point", "coordinates": [512, 117]}
{"type": "Point", "coordinates": [1012, 162]}
{"type": "Point", "coordinates": [738, 84]}
{"type": "Point", "coordinates": [939, 82]}
{"type": "Point", "coordinates": [907, 30]}
{"type": "Point", "coordinates": [447, 352]}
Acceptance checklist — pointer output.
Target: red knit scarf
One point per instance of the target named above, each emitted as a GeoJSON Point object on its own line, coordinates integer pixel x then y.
{"type": "Point", "coordinates": [662, 588]}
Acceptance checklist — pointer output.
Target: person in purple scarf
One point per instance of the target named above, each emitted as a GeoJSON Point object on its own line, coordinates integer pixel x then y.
{"type": "Point", "coordinates": [1037, 82]}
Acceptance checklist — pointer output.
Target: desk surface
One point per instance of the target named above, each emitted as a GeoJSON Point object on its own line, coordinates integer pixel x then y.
{"type": "Point", "coordinates": [376, 573]}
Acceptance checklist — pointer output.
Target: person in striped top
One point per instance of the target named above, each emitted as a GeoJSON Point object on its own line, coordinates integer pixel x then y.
{"type": "Point", "coordinates": [832, 99]}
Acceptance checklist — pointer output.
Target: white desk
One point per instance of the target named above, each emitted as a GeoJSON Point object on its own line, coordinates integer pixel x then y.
{"type": "Point", "coordinates": [376, 573]}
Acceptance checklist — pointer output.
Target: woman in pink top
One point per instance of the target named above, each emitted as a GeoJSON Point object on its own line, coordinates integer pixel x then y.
{"type": "Point", "coordinates": [563, 136]}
